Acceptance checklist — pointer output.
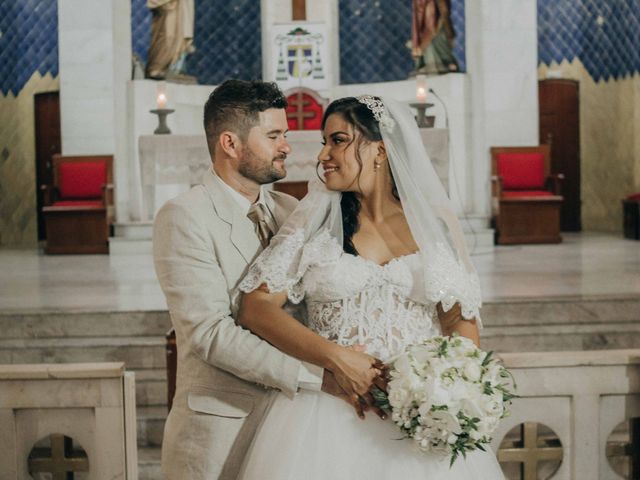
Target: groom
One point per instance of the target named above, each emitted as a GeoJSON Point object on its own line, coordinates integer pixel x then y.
{"type": "Point", "coordinates": [203, 242]}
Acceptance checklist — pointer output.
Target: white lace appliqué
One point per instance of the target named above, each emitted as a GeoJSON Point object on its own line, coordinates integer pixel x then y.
{"type": "Point", "coordinates": [447, 282]}
{"type": "Point", "coordinates": [282, 265]}
{"type": "Point", "coordinates": [351, 300]}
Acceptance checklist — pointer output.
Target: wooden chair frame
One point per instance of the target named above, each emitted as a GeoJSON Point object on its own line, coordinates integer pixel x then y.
{"type": "Point", "coordinates": [77, 228]}
{"type": "Point", "coordinates": [533, 219]}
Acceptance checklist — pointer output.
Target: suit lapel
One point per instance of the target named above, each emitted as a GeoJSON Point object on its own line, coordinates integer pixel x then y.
{"type": "Point", "coordinates": [243, 235]}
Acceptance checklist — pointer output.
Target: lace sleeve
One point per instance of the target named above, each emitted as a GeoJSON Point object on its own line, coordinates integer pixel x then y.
{"type": "Point", "coordinates": [282, 265]}
{"type": "Point", "coordinates": [448, 283]}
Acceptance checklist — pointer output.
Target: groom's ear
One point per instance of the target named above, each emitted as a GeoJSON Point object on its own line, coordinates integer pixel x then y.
{"type": "Point", "coordinates": [230, 144]}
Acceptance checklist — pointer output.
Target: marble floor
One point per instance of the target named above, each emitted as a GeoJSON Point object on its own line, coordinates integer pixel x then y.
{"type": "Point", "coordinates": [584, 265]}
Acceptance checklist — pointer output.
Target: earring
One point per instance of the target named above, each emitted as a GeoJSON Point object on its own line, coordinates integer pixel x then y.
{"type": "Point", "coordinates": [376, 166]}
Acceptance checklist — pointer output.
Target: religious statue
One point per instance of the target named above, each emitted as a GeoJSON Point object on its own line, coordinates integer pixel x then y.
{"type": "Point", "coordinates": [172, 28]}
{"type": "Point", "coordinates": [432, 36]}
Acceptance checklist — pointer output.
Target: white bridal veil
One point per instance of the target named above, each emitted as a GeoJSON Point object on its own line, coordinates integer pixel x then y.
{"type": "Point", "coordinates": [449, 276]}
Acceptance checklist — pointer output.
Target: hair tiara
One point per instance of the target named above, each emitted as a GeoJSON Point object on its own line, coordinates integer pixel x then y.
{"type": "Point", "coordinates": [377, 108]}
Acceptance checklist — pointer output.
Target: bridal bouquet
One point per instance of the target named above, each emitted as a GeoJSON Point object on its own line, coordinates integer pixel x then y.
{"type": "Point", "coordinates": [447, 395]}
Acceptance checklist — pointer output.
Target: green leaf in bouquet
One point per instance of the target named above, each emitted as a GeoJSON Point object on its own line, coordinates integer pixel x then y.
{"type": "Point", "coordinates": [487, 389]}
{"type": "Point", "coordinates": [381, 399]}
{"type": "Point", "coordinates": [487, 358]}
{"type": "Point", "coordinates": [442, 349]}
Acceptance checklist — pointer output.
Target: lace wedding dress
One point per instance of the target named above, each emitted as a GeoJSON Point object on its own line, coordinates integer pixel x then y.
{"type": "Point", "coordinates": [350, 300]}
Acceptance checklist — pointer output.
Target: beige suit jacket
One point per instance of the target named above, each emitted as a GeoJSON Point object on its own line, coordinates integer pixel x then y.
{"type": "Point", "coordinates": [202, 246]}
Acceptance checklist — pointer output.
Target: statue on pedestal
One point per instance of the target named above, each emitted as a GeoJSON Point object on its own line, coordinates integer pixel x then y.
{"type": "Point", "coordinates": [432, 36]}
{"type": "Point", "coordinates": [172, 28]}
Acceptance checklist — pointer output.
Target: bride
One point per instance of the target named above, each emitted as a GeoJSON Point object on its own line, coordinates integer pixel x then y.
{"type": "Point", "coordinates": [378, 256]}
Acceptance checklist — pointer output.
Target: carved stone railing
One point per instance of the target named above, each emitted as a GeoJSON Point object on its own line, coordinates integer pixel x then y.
{"type": "Point", "coordinates": [580, 402]}
{"type": "Point", "coordinates": [58, 419]}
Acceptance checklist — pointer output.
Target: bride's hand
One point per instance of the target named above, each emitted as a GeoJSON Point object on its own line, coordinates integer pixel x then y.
{"type": "Point", "coordinates": [360, 404]}
{"type": "Point", "coordinates": [355, 371]}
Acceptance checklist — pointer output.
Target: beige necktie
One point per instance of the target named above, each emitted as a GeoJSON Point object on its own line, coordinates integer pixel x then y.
{"type": "Point", "coordinates": [258, 214]}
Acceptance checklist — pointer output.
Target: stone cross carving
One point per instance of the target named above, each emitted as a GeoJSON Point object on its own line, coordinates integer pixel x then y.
{"type": "Point", "coordinates": [530, 455]}
{"type": "Point", "coordinates": [299, 114]}
{"type": "Point", "coordinates": [60, 460]}
{"type": "Point", "coordinates": [629, 450]}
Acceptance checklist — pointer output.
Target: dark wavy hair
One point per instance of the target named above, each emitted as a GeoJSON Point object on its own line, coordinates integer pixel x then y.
{"type": "Point", "coordinates": [363, 121]}
{"type": "Point", "coordinates": [235, 104]}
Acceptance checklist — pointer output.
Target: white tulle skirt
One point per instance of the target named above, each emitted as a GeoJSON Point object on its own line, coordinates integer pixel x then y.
{"type": "Point", "coordinates": [319, 437]}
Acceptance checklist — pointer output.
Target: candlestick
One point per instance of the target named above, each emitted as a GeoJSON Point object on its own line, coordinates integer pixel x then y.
{"type": "Point", "coordinates": [162, 113]}
{"type": "Point", "coordinates": [423, 120]}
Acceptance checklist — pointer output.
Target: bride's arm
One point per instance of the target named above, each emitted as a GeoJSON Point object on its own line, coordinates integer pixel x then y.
{"type": "Point", "coordinates": [262, 313]}
{"type": "Point", "coordinates": [453, 322]}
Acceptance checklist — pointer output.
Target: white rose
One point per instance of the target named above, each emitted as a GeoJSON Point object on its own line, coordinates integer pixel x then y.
{"type": "Point", "coordinates": [402, 365]}
{"type": "Point", "coordinates": [449, 422]}
{"type": "Point", "coordinates": [472, 371]}
{"type": "Point", "coordinates": [438, 395]}
{"type": "Point", "coordinates": [398, 396]}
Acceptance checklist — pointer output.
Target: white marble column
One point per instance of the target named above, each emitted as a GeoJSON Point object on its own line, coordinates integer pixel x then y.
{"type": "Point", "coordinates": [502, 57]}
{"type": "Point", "coordinates": [94, 48]}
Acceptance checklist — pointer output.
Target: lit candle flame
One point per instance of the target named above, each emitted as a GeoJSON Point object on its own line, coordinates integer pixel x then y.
{"type": "Point", "coordinates": [162, 100]}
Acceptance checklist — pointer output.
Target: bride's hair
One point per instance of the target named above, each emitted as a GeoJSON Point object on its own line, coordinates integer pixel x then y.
{"type": "Point", "coordinates": [362, 119]}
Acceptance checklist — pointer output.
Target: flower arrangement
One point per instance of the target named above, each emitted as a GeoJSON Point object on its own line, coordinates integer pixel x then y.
{"type": "Point", "coordinates": [447, 395]}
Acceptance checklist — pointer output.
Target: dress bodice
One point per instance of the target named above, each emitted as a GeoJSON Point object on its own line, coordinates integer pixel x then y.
{"type": "Point", "coordinates": [356, 301]}
{"type": "Point", "coordinates": [351, 300]}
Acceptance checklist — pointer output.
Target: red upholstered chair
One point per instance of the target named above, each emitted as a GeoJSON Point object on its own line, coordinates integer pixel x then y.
{"type": "Point", "coordinates": [305, 109]}
{"type": "Point", "coordinates": [526, 197]}
{"type": "Point", "coordinates": [78, 205]}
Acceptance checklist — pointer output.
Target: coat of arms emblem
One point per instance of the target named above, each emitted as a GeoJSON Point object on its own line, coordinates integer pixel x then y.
{"type": "Point", "coordinates": [299, 56]}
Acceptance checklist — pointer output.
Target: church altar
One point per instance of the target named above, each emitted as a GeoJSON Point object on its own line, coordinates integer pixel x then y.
{"type": "Point", "coordinates": [170, 164]}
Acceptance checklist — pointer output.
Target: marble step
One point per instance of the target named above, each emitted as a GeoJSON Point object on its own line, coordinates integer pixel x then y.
{"type": "Point", "coordinates": [150, 426]}
{"type": "Point", "coordinates": [119, 246]}
{"type": "Point", "coordinates": [561, 310]}
{"type": "Point", "coordinates": [135, 352]}
{"type": "Point", "coordinates": [149, 463]}
{"type": "Point", "coordinates": [43, 324]}
{"type": "Point", "coordinates": [562, 324]}
{"type": "Point", "coordinates": [133, 229]}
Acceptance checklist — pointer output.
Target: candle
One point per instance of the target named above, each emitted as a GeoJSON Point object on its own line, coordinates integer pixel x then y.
{"type": "Point", "coordinates": [421, 88]}
{"type": "Point", "coordinates": [161, 95]}
{"type": "Point", "coordinates": [162, 100]}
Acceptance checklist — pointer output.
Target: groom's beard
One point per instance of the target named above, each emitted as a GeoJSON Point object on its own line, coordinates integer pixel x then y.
{"type": "Point", "coordinates": [261, 171]}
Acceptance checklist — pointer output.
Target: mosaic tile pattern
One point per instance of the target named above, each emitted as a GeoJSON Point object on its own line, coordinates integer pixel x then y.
{"type": "Point", "coordinates": [373, 37]}
{"type": "Point", "coordinates": [18, 221]}
{"type": "Point", "coordinates": [28, 41]}
{"type": "Point", "coordinates": [603, 34]}
{"type": "Point", "coordinates": [140, 28]}
{"type": "Point", "coordinates": [227, 38]}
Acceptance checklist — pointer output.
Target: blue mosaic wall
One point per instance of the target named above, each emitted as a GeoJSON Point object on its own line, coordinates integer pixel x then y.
{"type": "Point", "coordinates": [227, 38]}
{"type": "Point", "coordinates": [373, 37]}
{"type": "Point", "coordinates": [28, 41]}
{"type": "Point", "coordinates": [603, 34]}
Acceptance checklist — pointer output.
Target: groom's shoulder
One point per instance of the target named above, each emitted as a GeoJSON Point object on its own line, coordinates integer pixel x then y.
{"type": "Point", "coordinates": [284, 200]}
{"type": "Point", "coordinates": [190, 202]}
